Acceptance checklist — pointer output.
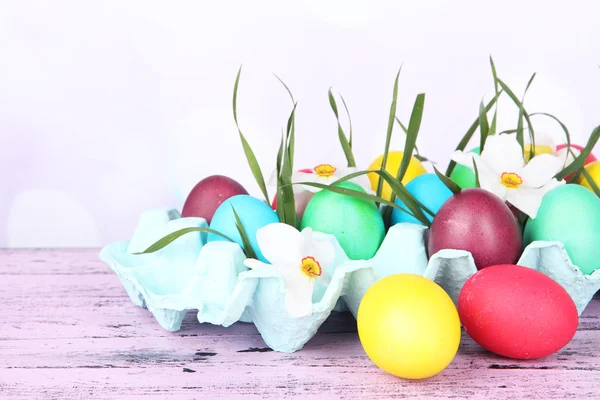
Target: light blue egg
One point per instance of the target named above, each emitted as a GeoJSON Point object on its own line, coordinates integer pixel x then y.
{"type": "Point", "coordinates": [427, 189]}
{"type": "Point", "coordinates": [253, 213]}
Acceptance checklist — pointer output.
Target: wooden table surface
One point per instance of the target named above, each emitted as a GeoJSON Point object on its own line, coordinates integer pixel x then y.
{"type": "Point", "coordinates": [69, 331]}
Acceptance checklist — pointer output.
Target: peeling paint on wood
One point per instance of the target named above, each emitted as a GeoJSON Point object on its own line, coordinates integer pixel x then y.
{"type": "Point", "coordinates": [69, 331]}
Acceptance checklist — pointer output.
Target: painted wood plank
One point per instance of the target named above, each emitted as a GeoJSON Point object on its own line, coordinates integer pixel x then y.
{"type": "Point", "coordinates": [68, 330]}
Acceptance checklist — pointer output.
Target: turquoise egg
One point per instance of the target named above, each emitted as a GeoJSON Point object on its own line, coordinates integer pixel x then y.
{"type": "Point", "coordinates": [356, 223]}
{"type": "Point", "coordinates": [569, 214]}
{"type": "Point", "coordinates": [253, 213]}
{"type": "Point", "coordinates": [427, 189]}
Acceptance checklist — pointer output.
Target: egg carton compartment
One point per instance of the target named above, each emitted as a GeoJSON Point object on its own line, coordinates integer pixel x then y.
{"type": "Point", "coordinates": [191, 274]}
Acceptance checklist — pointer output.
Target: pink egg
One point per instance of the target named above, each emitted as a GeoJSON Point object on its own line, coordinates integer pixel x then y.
{"type": "Point", "coordinates": [208, 194]}
{"type": "Point", "coordinates": [517, 312]}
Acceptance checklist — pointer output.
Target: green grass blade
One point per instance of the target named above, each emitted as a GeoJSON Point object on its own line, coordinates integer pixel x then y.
{"type": "Point", "coordinates": [580, 160]}
{"type": "Point", "coordinates": [476, 170]}
{"type": "Point", "coordinates": [344, 142]}
{"type": "Point", "coordinates": [411, 135]}
{"type": "Point", "coordinates": [349, 121]}
{"type": "Point", "coordinates": [522, 114]}
{"type": "Point", "coordinates": [286, 88]}
{"type": "Point", "coordinates": [484, 128]}
{"type": "Point", "coordinates": [494, 118]}
{"type": "Point", "coordinates": [250, 253]}
{"type": "Point", "coordinates": [450, 184]}
{"type": "Point", "coordinates": [467, 137]}
{"type": "Point", "coordinates": [171, 237]}
{"type": "Point", "coordinates": [285, 198]}
{"type": "Point", "coordinates": [390, 128]}
{"type": "Point", "coordinates": [250, 157]}
{"type": "Point", "coordinates": [591, 182]}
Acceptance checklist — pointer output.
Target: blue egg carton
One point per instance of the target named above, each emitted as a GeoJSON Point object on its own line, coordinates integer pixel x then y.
{"type": "Point", "coordinates": [211, 278]}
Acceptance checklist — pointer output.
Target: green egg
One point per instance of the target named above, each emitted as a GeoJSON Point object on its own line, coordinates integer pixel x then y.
{"type": "Point", "coordinates": [464, 176]}
{"type": "Point", "coordinates": [357, 224]}
{"type": "Point", "coordinates": [569, 214]}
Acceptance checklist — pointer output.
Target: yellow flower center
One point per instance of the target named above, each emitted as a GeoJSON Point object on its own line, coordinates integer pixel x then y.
{"type": "Point", "coordinates": [511, 180]}
{"type": "Point", "coordinates": [311, 267]}
{"type": "Point", "coordinates": [325, 170]}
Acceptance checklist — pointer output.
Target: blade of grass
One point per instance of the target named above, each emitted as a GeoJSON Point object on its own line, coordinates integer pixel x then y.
{"type": "Point", "coordinates": [590, 181]}
{"type": "Point", "coordinates": [580, 160]}
{"type": "Point", "coordinates": [250, 157]}
{"type": "Point", "coordinates": [390, 128]}
{"type": "Point", "coordinates": [285, 194]}
{"type": "Point", "coordinates": [467, 137]}
{"type": "Point", "coordinates": [411, 135]}
{"type": "Point", "coordinates": [476, 170]}
{"type": "Point", "coordinates": [245, 241]}
{"type": "Point", "coordinates": [349, 121]}
{"type": "Point", "coordinates": [345, 143]}
{"type": "Point", "coordinates": [450, 184]}
{"type": "Point", "coordinates": [522, 112]}
{"type": "Point", "coordinates": [494, 118]}
{"type": "Point", "coordinates": [484, 128]}
{"type": "Point", "coordinates": [171, 237]}
{"type": "Point", "coordinates": [286, 88]}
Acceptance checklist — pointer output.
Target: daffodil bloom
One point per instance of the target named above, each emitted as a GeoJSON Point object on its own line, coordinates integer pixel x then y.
{"type": "Point", "coordinates": [502, 171]}
{"type": "Point", "coordinates": [327, 174]}
{"type": "Point", "coordinates": [300, 260]}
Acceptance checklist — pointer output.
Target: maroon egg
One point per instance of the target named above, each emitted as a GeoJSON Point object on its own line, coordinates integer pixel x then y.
{"type": "Point", "coordinates": [208, 194]}
{"type": "Point", "coordinates": [477, 221]}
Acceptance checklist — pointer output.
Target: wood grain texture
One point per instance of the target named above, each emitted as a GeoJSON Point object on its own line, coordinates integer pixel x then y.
{"type": "Point", "coordinates": [69, 331]}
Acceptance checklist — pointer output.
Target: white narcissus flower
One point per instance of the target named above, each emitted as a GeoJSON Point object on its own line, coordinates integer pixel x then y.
{"type": "Point", "coordinates": [502, 171]}
{"type": "Point", "coordinates": [327, 174]}
{"type": "Point", "coordinates": [299, 258]}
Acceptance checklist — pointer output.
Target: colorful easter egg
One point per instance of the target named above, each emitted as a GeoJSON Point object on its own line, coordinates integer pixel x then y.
{"type": "Point", "coordinates": [593, 170]}
{"type": "Point", "coordinates": [464, 176]}
{"type": "Point", "coordinates": [415, 168]}
{"type": "Point", "coordinates": [537, 150]}
{"type": "Point", "coordinates": [477, 221]}
{"type": "Point", "coordinates": [569, 214]}
{"type": "Point", "coordinates": [517, 312]}
{"type": "Point", "coordinates": [408, 326]}
{"type": "Point", "coordinates": [208, 195]}
{"type": "Point", "coordinates": [356, 223]}
{"type": "Point", "coordinates": [253, 213]}
{"type": "Point", "coordinates": [562, 149]}
{"type": "Point", "coordinates": [429, 190]}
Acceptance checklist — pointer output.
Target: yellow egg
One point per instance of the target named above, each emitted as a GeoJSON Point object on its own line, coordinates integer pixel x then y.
{"type": "Point", "coordinates": [539, 149]}
{"type": "Point", "coordinates": [408, 326]}
{"type": "Point", "coordinates": [594, 170]}
{"type": "Point", "coordinates": [415, 168]}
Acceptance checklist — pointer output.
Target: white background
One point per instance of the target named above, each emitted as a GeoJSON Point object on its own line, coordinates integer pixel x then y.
{"type": "Point", "coordinates": [109, 108]}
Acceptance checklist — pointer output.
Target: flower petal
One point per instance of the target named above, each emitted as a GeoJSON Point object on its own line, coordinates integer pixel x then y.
{"type": "Point", "coordinates": [298, 176]}
{"type": "Point", "coordinates": [298, 292]}
{"type": "Point", "coordinates": [281, 244]}
{"type": "Point", "coordinates": [529, 199]}
{"type": "Point", "coordinates": [489, 180]}
{"type": "Point", "coordinates": [540, 170]}
{"type": "Point", "coordinates": [462, 158]}
{"type": "Point", "coordinates": [322, 250]}
{"type": "Point", "coordinates": [503, 153]}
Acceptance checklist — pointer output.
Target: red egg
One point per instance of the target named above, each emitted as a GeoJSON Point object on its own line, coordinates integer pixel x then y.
{"type": "Point", "coordinates": [208, 194]}
{"type": "Point", "coordinates": [589, 158]}
{"type": "Point", "coordinates": [517, 312]}
{"type": "Point", "coordinates": [477, 221]}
